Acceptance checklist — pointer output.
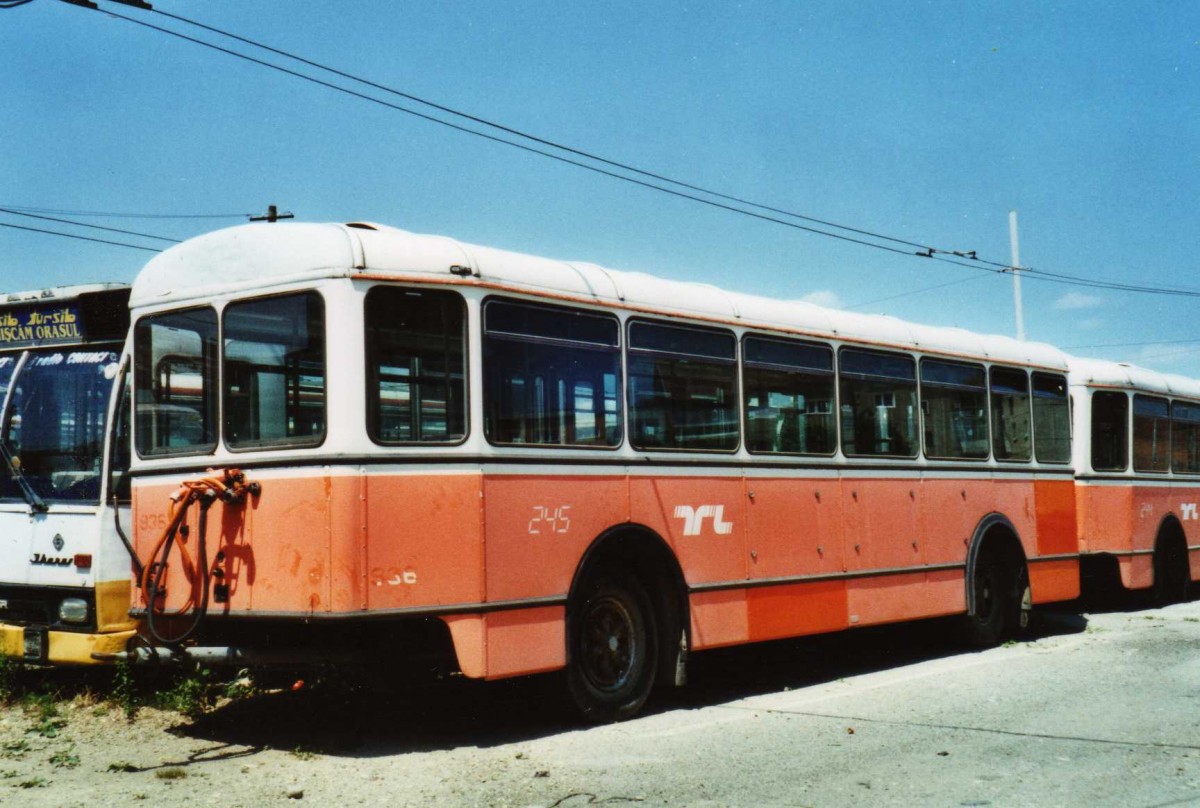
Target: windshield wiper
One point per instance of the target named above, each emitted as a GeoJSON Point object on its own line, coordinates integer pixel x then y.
{"type": "Point", "coordinates": [36, 503]}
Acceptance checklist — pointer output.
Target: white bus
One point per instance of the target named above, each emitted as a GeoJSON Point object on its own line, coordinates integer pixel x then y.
{"type": "Point", "coordinates": [64, 448]}
{"type": "Point", "coordinates": [1138, 477]}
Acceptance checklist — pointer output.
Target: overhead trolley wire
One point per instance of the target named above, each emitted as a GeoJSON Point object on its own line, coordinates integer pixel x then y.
{"type": "Point", "coordinates": [497, 139]}
{"type": "Point", "coordinates": [16, 212]}
{"type": "Point", "coordinates": [968, 259]}
{"type": "Point", "coordinates": [115, 215]}
{"type": "Point", "coordinates": [81, 238]}
{"type": "Point", "coordinates": [544, 141]}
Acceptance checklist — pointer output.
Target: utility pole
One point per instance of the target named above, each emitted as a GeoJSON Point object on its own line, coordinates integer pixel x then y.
{"type": "Point", "coordinates": [1016, 273]}
{"type": "Point", "coordinates": [273, 215]}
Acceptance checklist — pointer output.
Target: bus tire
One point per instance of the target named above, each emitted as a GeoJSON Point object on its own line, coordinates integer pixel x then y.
{"type": "Point", "coordinates": [612, 649]}
{"type": "Point", "coordinates": [1172, 577]}
{"type": "Point", "coordinates": [984, 626]}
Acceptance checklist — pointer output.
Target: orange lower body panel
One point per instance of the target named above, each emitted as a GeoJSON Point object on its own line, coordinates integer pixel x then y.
{"type": "Point", "coordinates": [494, 555]}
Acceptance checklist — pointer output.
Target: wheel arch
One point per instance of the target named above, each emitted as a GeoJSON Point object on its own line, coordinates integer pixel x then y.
{"type": "Point", "coordinates": [640, 551]}
{"type": "Point", "coordinates": [995, 529]}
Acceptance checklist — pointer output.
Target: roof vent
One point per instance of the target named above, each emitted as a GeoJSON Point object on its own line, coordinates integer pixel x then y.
{"type": "Point", "coordinates": [361, 226]}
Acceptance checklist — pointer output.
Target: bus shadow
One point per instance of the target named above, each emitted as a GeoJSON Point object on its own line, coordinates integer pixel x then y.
{"type": "Point", "coordinates": [390, 718]}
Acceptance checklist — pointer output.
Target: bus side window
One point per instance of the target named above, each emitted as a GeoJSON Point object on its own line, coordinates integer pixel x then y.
{"type": "Point", "coordinates": [1151, 434]}
{"type": "Point", "coordinates": [1012, 424]}
{"type": "Point", "coordinates": [551, 375]}
{"type": "Point", "coordinates": [789, 395]}
{"type": "Point", "coordinates": [1110, 431]}
{"type": "Point", "coordinates": [954, 406]}
{"type": "Point", "coordinates": [1051, 419]}
{"type": "Point", "coordinates": [416, 366]}
{"type": "Point", "coordinates": [1185, 437]}
{"type": "Point", "coordinates": [682, 387]}
{"type": "Point", "coordinates": [879, 403]}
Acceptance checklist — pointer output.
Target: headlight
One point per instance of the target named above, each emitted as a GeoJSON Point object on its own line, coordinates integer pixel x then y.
{"type": "Point", "coordinates": [73, 610]}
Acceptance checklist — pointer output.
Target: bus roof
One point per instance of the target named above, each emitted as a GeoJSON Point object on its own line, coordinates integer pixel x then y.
{"type": "Point", "coordinates": [58, 293]}
{"type": "Point", "coordinates": [251, 257]}
{"type": "Point", "coordinates": [1102, 373]}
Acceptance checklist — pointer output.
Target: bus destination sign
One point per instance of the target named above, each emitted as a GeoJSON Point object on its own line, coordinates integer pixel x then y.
{"type": "Point", "coordinates": [29, 326]}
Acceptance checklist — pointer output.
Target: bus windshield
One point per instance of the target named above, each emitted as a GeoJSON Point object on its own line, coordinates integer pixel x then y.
{"type": "Point", "coordinates": [54, 424]}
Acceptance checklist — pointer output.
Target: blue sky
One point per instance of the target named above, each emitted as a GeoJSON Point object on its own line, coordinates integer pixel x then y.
{"type": "Point", "coordinates": [923, 121]}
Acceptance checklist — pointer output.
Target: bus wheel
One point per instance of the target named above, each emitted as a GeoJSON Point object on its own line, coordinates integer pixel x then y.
{"type": "Point", "coordinates": [993, 602]}
{"type": "Point", "coordinates": [611, 649]}
{"type": "Point", "coordinates": [1172, 578]}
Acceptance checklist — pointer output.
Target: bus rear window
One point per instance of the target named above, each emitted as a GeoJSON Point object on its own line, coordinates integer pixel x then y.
{"type": "Point", "coordinates": [416, 366]}
{"type": "Point", "coordinates": [274, 371]}
{"type": "Point", "coordinates": [175, 365]}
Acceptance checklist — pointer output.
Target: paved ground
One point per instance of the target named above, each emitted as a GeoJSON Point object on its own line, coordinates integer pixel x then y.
{"type": "Point", "coordinates": [1096, 709]}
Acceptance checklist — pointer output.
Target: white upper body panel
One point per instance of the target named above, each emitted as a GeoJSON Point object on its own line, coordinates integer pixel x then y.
{"type": "Point", "coordinates": [262, 256]}
{"type": "Point", "coordinates": [1102, 373]}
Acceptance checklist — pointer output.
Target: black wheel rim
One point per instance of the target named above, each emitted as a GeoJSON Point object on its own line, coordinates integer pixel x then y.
{"type": "Point", "coordinates": [609, 652]}
{"type": "Point", "coordinates": [985, 594]}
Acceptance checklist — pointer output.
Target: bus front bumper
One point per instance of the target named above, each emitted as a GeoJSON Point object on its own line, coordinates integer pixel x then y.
{"type": "Point", "coordinates": [42, 646]}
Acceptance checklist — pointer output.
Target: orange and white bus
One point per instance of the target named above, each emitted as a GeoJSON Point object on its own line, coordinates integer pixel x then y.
{"type": "Point", "coordinates": [380, 439]}
{"type": "Point", "coordinates": [64, 447]}
{"type": "Point", "coordinates": [1138, 471]}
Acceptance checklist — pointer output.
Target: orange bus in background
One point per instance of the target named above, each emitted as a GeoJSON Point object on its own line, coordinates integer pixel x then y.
{"type": "Point", "coordinates": [1138, 464]}
{"type": "Point", "coordinates": [377, 441]}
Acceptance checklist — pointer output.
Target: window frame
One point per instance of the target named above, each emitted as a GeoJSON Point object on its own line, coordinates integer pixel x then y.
{"type": "Point", "coordinates": [734, 362]}
{"type": "Point", "coordinates": [531, 339]}
{"type": "Point", "coordinates": [371, 368]}
{"type": "Point", "coordinates": [917, 438]}
{"type": "Point", "coordinates": [1067, 403]}
{"type": "Point", "coordinates": [285, 445]}
{"type": "Point", "coordinates": [832, 373]}
{"type": "Point", "coordinates": [1092, 432]}
{"type": "Point", "coordinates": [1133, 433]}
{"type": "Point", "coordinates": [1191, 405]}
{"type": "Point", "coordinates": [210, 368]}
{"type": "Point", "coordinates": [987, 420]}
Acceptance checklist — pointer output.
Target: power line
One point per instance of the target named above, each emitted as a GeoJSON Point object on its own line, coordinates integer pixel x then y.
{"type": "Point", "coordinates": [113, 215]}
{"type": "Point", "coordinates": [1132, 344]}
{"type": "Point", "coordinates": [544, 141]}
{"type": "Point", "coordinates": [81, 238]}
{"type": "Point", "coordinates": [969, 258]}
{"type": "Point", "coordinates": [497, 139]}
{"type": "Point", "coordinates": [913, 292]}
{"type": "Point", "coordinates": [15, 212]}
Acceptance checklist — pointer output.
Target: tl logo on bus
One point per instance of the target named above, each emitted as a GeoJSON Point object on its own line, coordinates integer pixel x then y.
{"type": "Point", "coordinates": [1188, 511]}
{"type": "Point", "coordinates": [693, 519]}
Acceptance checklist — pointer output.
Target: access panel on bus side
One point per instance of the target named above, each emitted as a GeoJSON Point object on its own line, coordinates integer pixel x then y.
{"type": "Point", "coordinates": [881, 536]}
{"type": "Point", "coordinates": [794, 531]}
{"type": "Point", "coordinates": [702, 519]}
{"type": "Point", "coordinates": [537, 530]}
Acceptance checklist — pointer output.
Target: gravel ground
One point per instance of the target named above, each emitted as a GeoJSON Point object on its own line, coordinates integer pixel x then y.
{"type": "Point", "coordinates": [1100, 709]}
